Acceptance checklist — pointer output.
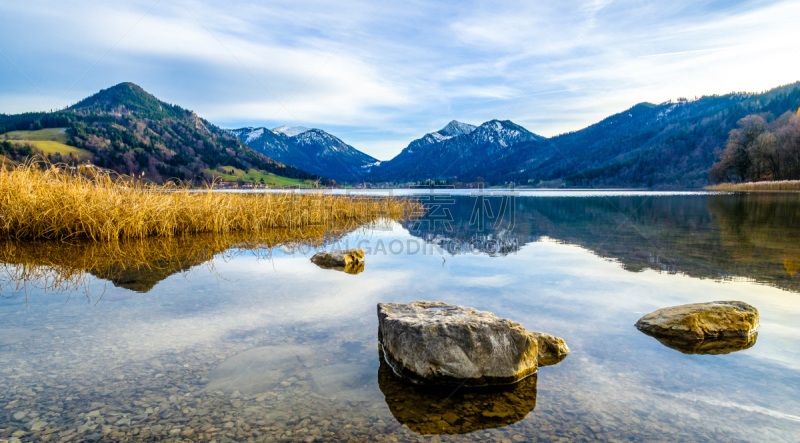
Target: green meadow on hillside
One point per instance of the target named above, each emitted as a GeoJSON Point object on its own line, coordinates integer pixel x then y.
{"type": "Point", "coordinates": [50, 141]}
{"type": "Point", "coordinates": [256, 176]}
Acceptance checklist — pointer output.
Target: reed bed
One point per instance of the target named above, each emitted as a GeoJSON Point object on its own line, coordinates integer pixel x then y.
{"type": "Point", "coordinates": [770, 186]}
{"type": "Point", "coordinates": [55, 202]}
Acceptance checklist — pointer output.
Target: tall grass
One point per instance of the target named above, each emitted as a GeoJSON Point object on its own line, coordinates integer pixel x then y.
{"type": "Point", "coordinates": [58, 203]}
{"type": "Point", "coordinates": [781, 185]}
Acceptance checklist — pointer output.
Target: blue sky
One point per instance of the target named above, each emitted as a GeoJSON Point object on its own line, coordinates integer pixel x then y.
{"type": "Point", "coordinates": [379, 74]}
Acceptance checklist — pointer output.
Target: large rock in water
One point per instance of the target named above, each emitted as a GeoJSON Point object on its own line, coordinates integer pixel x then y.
{"type": "Point", "coordinates": [440, 343]}
{"type": "Point", "coordinates": [350, 261]}
{"type": "Point", "coordinates": [701, 321]}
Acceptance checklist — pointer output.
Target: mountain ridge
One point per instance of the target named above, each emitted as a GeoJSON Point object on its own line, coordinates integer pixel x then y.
{"type": "Point", "coordinates": [442, 155]}
{"type": "Point", "coordinates": [130, 131]}
{"type": "Point", "coordinates": [313, 150]}
{"type": "Point", "coordinates": [671, 145]}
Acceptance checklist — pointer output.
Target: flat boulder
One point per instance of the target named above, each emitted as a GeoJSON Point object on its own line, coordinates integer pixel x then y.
{"type": "Point", "coordinates": [701, 321]}
{"type": "Point", "coordinates": [439, 343]}
{"type": "Point", "coordinates": [350, 261]}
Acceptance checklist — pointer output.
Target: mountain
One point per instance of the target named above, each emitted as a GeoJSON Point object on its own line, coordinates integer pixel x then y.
{"type": "Point", "coordinates": [130, 131]}
{"type": "Point", "coordinates": [453, 150]}
{"type": "Point", "coordinates": [263, 140]}
{"type": "Point", "coordinates": [312, 150]}
{"type": "Point", "coordinates": [670, 145]}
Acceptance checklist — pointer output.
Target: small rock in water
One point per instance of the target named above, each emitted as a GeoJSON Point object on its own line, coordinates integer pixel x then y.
{"type": "Point", "coordinates": [701, 321]}
{"type": "Point", "coordinates": [551, 349]}
{"type": "Point", "coordinates": [439, 343]}
{"type": "Point", "coordinates": [350, 261]}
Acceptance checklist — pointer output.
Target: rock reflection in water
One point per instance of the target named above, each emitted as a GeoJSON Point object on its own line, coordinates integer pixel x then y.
{"type": "Point", "coordinates": [431, 410]}
{"type": "Point", "coordinates": [350, 268]}
{"type": "Point", "coordinates": [551, 359]}
{"type": "Point", "coordinates": [716, 346]}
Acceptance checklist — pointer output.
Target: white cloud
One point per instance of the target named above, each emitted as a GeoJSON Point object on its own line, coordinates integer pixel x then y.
{"type": "Point", "coordinates": [387, 73]}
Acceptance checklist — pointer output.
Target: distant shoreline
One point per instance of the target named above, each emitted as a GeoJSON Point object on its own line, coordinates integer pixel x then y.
{"type": "Point", "coordinates": [766, 186]}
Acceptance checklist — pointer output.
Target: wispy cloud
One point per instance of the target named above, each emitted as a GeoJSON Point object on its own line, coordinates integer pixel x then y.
{"type": "Point", "coordinates": [383, 73]}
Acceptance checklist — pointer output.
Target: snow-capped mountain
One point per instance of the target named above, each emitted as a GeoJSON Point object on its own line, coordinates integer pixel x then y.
{"type": "Point", "coordinates": [454, 149]}
{"type": "Point", "coordinates": [316, 150]}
{"type": "Point", "coordinates": [453, 129]}
{"type": "Point", "coordinates": [265, 141]}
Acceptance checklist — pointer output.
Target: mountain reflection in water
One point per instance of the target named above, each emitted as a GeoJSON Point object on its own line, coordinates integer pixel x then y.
{"type": "Point", "coordinates": [753, 236]}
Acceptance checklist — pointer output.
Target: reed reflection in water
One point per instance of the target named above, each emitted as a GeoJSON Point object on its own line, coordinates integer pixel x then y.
{"type": "Point", "coordinates": [139, 264]}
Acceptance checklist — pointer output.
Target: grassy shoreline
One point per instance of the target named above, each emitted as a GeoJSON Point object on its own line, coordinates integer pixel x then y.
{"type": "Point", "coordinates": [766, 186]}
{"type": "Point", "coordinates": [59, 203]}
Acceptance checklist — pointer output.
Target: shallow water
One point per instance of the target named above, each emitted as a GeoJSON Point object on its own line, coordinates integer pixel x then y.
{"type": "Point", "coordinates": [262, 345]}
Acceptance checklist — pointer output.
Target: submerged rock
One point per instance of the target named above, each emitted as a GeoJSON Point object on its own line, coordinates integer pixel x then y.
{"type": "Point", "coordinates": [350, 261]}
{"type": "Point", "coordinates": [700, 321]}
{"type": "Point", "coordinates": [440, 343]}
{"type": "Point", "coordinates": [433, 410]}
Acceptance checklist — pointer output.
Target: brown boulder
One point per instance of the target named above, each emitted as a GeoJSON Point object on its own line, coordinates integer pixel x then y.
{"type": "Point", "coordinates": [701, 321]}
{"type": "Point", "coordinates": [440, 343]}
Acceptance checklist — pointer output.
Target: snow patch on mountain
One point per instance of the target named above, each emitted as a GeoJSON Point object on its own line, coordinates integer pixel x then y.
{"type": "Point", "coordinates": [247, 134]}
{"type": "Point", "coordinates": [439, 137]}
{"type": "Point", "coordinates": [254, 135]}
{"type": "Point", "coordinates": [453, 129]}
{"type": "Point", "coordinates": [456, 128]}
{"type": "Point", "coordinates": [290, 131]}
{"type": "Point", "coordinates": [321, 138]}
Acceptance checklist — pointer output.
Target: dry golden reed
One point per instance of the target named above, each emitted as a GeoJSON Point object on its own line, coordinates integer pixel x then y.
{"type": "Point", "coordinates": [772, 186]}
{"type": "Point", "coordinates": [58, 203]}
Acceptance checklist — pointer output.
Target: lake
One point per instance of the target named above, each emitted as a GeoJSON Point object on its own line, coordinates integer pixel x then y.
{"type": "Point", "coordinates": [204, 338]}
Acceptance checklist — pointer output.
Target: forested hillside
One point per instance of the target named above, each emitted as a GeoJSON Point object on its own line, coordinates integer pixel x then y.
{"type": "Point", "coordinates": [673, 144]}
{"type": "Point", "coordinates": [760, 149]}
{"type": "Point", "coordinates": [130, 131]}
